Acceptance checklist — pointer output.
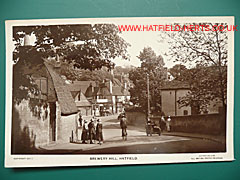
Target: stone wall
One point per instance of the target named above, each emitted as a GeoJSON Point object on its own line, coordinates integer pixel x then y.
{"type": "Point", "coordinates": [28, 130]}
{"type": "Point", "coordinates": [205, 124]}
{"type": "Point", "coordinates": [67, 126]}
{"type": "Point", "coordinates": [136, 118]}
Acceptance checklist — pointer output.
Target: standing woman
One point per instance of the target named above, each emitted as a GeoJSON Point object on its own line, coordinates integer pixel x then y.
{"type": "Point", "coordinates": [99, 132]}
{"type": "Point", "coordinates": [91, 131]}
{"type": "Point", "coordinates": [84, 132]}
{"type": "Point", "coordinates": [123, 125]}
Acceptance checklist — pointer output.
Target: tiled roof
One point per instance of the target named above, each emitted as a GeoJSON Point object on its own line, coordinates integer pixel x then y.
{"type": "Point", "coordinates": [83, 103]}
{"type": "Point", "coordinates": [117, 91]}
{"type": "Point", "coordinates": [174, 85]}
{"type": "Point", "coordinates": [74, 93]}
{"type": "Point", "coordinates": [101, 91]}
{"type": "Point", "coordinates": [76, 87]}
{"type": "Point", "coordinates": [83, 100]}
{"type": "Point", "coordinates": [81, 85]}
{"type": "Point", "coordinates": [89, 92]}
{"type": "Point", "coordinates": [64, 96]}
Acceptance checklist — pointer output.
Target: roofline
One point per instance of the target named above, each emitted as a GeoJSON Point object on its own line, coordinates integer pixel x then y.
{"type": "Point", "coordinates": [175, 88]}
{"type": "Point", "coordinates": [67, 114]}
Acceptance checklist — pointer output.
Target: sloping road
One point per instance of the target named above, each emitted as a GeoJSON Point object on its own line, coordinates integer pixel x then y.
{"type": "Point", "coordinates": [137, 143]}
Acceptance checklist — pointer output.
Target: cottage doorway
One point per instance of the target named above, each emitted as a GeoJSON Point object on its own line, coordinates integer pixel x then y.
{"type": "Point", "coordinates": [52, 125]}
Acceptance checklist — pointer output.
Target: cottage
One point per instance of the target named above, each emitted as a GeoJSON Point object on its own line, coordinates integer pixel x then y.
{"type": "Point", "coordinates": [48, 117]}
{"type": "Point", "coordinates": [82, 103]}
{"type": "Point", "coordinates": [93, 98]}
{"type": "Point", "coordinates": [171, 92]}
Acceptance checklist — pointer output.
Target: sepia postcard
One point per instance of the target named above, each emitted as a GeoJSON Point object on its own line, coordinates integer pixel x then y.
{"type": "Point", "coordinates": [119, 91]}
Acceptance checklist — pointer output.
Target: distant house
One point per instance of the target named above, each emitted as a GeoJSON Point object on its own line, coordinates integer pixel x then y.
{"type": "Point", "coordinates": [172, 91]}
{"type": "Point", "coordinates": [78, 90]}
{"type": "Point", "coordinates": [48, 117]}
{"type": "Point", "coordinates": [94, 98]}
{"type": "Point", "coordinates": [82, 103]}
{"type": "Point", "coordinates": [102, 99]}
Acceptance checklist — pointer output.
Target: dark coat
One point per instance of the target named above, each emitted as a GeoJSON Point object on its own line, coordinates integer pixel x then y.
{"type": "Point", "coordinates": [91, 130]}
{"type": "Point", "coordinates": [123, 122]}
{"type": "Point", "coordinates": [80, 119]}
{"type": "Point", "coordinates": [123, 125]}
{"type": "Point", "coordinates": [99, 132]}
{"type": "Point", "coordinates": [84, 133]}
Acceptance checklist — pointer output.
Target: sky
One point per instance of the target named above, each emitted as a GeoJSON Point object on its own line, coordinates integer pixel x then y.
{"type": "Point", "coordinates": [138, 41]}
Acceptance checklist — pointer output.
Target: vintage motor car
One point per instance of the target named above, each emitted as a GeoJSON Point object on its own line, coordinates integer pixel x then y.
{"type": "Point", "coordinates": [153, 127]}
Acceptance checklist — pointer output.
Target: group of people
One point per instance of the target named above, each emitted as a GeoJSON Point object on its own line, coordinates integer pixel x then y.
{"type": "Point", "coordinates": [91, 131]}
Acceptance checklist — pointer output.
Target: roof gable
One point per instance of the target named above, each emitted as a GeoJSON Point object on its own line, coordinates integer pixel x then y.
{"type": "Point", "coordinates": [117, 91]}
{"type": "Point", "coordinates": [64, 96]}
{"type": "Point", "coordinates": [83, 100]}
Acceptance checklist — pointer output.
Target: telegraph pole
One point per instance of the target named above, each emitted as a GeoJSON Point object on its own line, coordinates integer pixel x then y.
{"type": "Point", "coordinates": [148, 96]}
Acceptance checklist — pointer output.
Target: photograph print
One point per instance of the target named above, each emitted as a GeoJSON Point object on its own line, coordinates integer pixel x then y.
{"type": "Point", "coordinates": [119, 91]}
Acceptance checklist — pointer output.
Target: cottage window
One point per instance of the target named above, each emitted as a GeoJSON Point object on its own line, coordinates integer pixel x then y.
{"type": "Point", "coordinates": [43, 88]}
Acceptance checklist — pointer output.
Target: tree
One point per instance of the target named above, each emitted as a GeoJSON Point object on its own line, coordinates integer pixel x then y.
{"type": "Point", "coordinates": [206, 49]}
{"type": "Point", "coordinates": [201, 80]}
{"type": "Point", "coordinates": [179, 72]}
{"type": "Point", "coordinates": [82, 46]}
{"type": "Point", "coordinates": [152, 65]}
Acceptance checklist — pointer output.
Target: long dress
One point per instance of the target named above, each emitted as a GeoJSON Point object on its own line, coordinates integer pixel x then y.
{"type": "Point", "coordinates": [92, 133]}
{"type": "Point", "coordinates": [84, 133]}
{"type": "Point", "coordinates": [99, 132]}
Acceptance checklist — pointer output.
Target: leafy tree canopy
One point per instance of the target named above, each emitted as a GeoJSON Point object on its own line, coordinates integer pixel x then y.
{"type": "Point", "coordinates": [153, 66]}
{"type": "Point", "coordinates": [88, 46]}
{"type": "Point", "coordinates": [208, 51]}
{"type": "Point", "coordinates": [84, 46]}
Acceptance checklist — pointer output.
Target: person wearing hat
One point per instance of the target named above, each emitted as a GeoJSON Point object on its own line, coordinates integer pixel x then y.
{"type": "Point", "coordinates": [91, 131]}
{"type": "Point", "coordinates": [99, 131]}
{"type": "Point", "coordinates": [123, 125]}
{"type": "Point", "coordinates": [168, 124]}
{"type": "Point", "coordinates": [84, 132]}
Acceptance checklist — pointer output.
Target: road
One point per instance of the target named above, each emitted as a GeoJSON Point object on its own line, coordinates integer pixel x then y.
{"type": "Point", "coordinates": [137, 143]}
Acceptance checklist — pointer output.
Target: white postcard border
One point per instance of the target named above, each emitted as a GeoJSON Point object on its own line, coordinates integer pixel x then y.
{"type": "Point", "coordinates": [84, 160]}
